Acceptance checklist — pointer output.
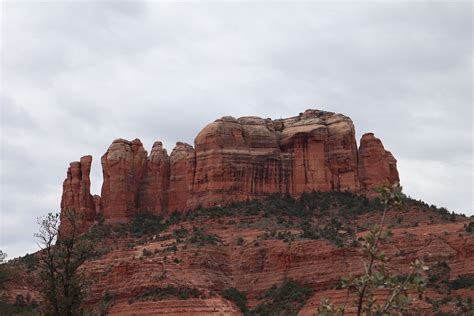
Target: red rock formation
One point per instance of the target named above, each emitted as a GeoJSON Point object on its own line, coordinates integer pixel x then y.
{"type": "Point", "coordinates": [323, 150]}
{"type": "Point", "coordinates": [245, 158]}
{"type": "Point", "coordinates": [241, 159]}
{"type": "Point", "coordinates": [376, 165]}
{"type": "Point", "coordinates": [181, 176]}
{"type": "Point", "coordinates": [76, 195]}
{"type": "Point", "coordinates": [123, 167]}
{"type": "Point", "coordinates": [153, 196]}
{"type": "Point", "coordinates": [236, 159]}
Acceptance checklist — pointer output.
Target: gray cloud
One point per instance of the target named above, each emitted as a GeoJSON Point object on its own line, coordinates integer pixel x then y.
{"type": "Point", "coordinates": [78, 75]}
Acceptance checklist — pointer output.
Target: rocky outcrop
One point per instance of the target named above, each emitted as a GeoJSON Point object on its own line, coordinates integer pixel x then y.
{"type": "Point", "coordinates": [156, 180]}
{"type": "Point", "coordinates": [181, 176]}
{"type": "Point", "coordinates": [76, 197]}
{"type": "Point", "coordinates": [236, 160]}
{"type": "Point", "coordinates": [323, 151]}
{"type": "Point", "coordinates": [123, 167]}
{"type": "Point", "coordinates": [376, 165]}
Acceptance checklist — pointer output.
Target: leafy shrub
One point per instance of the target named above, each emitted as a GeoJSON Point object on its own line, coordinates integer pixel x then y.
{"type": "Point", "coordinates": [22, 306]}
{"type": "Point", "coordinates": [308, 231]}
{"type": "Point", "coordinates": [107, 301]}
{"type": "Point", "coordinates": [438, 274]}
{"type": "Point", "coordinates": [200, 238]}
{"type": "Point", "coordinates": [159, 293]}
{"type": "Point", "coordinates": [171, 248]}
{"type": "Point", "coordinates": [146, 224]}
{"type": "Point", "coordinates": [30, 262]}
{"type": "Point", "coordinates": [463, 282]}
{"type": "Point", "coordinates": [470, 227]}
{"type": "Point", "coordinates": [180, 233]}
{"type": "Point", "coordinates": [239, 298]}
{"type": "Point", "coordinates": [147, 253]}
{"type": "Point", "coordinates": [287, 299]}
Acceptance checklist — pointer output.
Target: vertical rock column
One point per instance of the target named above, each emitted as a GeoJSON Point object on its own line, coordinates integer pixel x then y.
{"type": "Point", "coordinates": [77, 197]}
{"type": "Point", "coordinates": [182, 167]}
{"type": "Point", "coordinates": [153, 196]}
{"type": "Point", "coordinates": [341, 148]}
{"type": "Point", "coordinates": [123, 167]}
{"type": "Point", "coordinates": [376, 165]}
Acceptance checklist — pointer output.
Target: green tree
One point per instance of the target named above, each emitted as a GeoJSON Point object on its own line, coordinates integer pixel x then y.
{"type": "Point", "coordinates": [60, 258]}
{"type": "Point", "coordinates": [4, 273]}
{"type": "Point", "coordinates": [377, 275]}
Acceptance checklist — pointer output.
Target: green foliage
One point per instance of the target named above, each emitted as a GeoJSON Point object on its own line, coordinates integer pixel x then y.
{"type": "Point", "coordinates": [62, 285]}
{"type": "Point", "coordinates": [30, 261]}
{"type": "Point", "coordinates": [438, 275]}
{"type": "Point", "coordinates": [470, 227]}
{"type": "Point", "coordinates": [464, 306]}
{"type": "Point", "coordinates": [330, 232]}
{"type": "Point", "coordinates": [239, 298]}
{"type": "Point", "coordinates": [200, 238]}
{"type": "Point", "coordinates": [107, 301]}
{"type": "Point", "coordinates": [22, 306]}
{"type": "Point", "coordinates": [147, 253]}
{"type": "Point", "coordinates": [171, 248]}
{"type": "Point", "coordinates": [289, 212]}
{"type": "Point", "coordinates": [5, 270]}
{"type": "Point", "coordinates": [309, 231]}
{"type": "Point", "coordinates": [159, 293]}
{"type": "Point", "coordinates": [180, 233]}
{"type": "Point", "coordinates": [287, 299]}
{"type": "Point", "coordinates": [147, 224]}
{"type": "Point", "coordinates": [378, 274]}
{"type": "Point", "coordinates": [463, 282]}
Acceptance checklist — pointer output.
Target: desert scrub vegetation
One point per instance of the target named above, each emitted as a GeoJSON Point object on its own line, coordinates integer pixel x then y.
{"type": "Point", "coordinates": [162, 293]}
{"type": "Point", "coordinates": [462, 282]}
{"type": "Point", "coordinates": [318, 215]}
{"type": "Point", "coordinates": [23, 306]}
{"type": "Point", "coordinates": [200, 238]}
{"type": "Point", "coordinates": [378, 274]}
{"type": "Point", "coordinates": [239, 298]}
{"type": "Point", "coordinates": [284, 300]}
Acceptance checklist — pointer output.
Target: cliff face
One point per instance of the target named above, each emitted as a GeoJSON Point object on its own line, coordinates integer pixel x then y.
{"type": "Point", "coordinates": [76, 194]}
{"type": "Point", "coordinates": [123, 167]}
{"type": "Point", "coordinates": [233, 160]}
{"type": "Point", "coordinates": [376, 165]}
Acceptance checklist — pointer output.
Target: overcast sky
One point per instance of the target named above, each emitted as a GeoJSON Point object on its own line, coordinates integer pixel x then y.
{"type": "Point", "coordinates": [77, 75]}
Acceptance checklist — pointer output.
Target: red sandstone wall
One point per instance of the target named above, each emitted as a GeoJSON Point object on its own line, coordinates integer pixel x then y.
{"type": "Point", "coordinates": [233, 160]}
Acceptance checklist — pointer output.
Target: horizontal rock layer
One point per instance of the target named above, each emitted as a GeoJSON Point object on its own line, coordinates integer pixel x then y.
{"type": "Point", "coordinates": [233, 160]}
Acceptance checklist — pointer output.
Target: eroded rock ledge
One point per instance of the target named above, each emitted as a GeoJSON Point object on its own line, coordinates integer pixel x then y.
{"type": "Point", "coordinates": [232, 160]}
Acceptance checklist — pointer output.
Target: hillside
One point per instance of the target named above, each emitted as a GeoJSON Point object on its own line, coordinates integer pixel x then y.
{"type": "Point", "coordinates": [259, 217]}
{"type": "Point", "coordinates": [191, 263]}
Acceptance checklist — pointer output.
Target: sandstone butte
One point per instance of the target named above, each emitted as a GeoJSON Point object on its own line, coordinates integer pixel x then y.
{"type": "Point", "coordinates": [232, 160]}
{"type": "Point", "coordinates": [254, 245]}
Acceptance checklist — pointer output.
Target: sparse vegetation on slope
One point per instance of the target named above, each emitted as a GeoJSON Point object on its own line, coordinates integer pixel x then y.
{"type": "Point", "coordinates": [161, 293]}
{"type": "Point", "coordinates": [182, 241]}
{"type": "Point", "coordinates": [286, 299]}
